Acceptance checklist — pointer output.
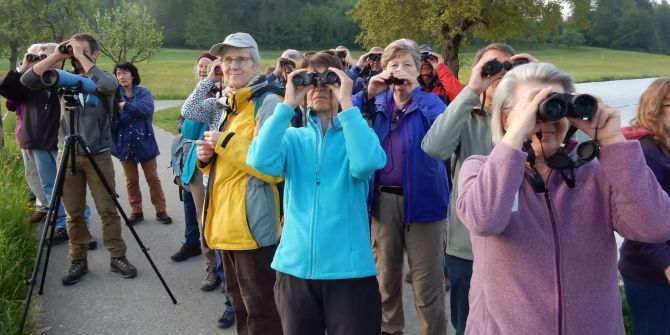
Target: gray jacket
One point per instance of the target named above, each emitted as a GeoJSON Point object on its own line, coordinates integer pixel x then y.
{"type": "Point", "coordinates": [92, 124]}
{"type": "Point", "coordinates": [462, 130]}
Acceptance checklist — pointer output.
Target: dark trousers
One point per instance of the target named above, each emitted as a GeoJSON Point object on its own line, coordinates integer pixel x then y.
{"type": "Point", "coordinates": [341, 307]}
{"type": "Point", "coordinates": [191, 231]}
{"type": "Point", "coordinates": [249, 282]}
{"type": "Point", "coordinates": [649, 306]}
{"type": "Point", "coordinates": [460, 273]}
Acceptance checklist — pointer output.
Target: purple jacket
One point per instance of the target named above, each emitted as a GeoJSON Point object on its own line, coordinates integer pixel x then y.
{"type": "Point", "coordinates": [546, 263]}
{"type": "Point", "coordinates": [647, 262]}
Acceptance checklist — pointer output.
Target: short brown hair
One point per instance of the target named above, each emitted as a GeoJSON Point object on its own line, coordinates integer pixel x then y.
{"type": "Point", "coordinates": [92, 42]}
{"type": "Point", "coordinates": [493, 46]}
{"type": "Point", "coordinates": [321, 58]}
{"type": "Point", "coordinates": [401, 47]}
{"type": "Point", "coordinates": [650, 112]}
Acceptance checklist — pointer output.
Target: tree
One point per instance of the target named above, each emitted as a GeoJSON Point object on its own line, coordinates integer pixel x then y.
{"type": "Point", "coordinates": [17, 24]}
{"type": "Point", "coordinates": [127, 33]}
{"type": "Point", "coordinates": [450, 23]}
{"type": "Point", "coordinates": [202, 24]}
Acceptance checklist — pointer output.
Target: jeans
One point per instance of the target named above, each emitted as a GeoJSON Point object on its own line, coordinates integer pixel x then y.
{"type": "Point", "coordinates": [191, 231]}
{"type": "Point", "coordinates": [649, 306]}
{"type": "Point", "coordinates": [460, 273]}
{"type": "Point", "coordinates": [45, 161]}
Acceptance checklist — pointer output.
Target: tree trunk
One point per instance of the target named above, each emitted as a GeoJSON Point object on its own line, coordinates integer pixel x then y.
{"type": "Point", "coordinates": [452, 46]}
{"type": "Point", "coordinates": [13, 54]}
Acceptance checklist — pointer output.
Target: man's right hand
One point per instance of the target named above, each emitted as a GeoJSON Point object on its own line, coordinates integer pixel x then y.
{"type": "Point", "coordinates": [363, 61]}
{"type": "Point", "coordinates": [479, 83]}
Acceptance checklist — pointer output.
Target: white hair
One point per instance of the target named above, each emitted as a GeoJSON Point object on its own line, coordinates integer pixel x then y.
{"type": "Point", "coordinates": [34, 48]}
{"type": "Point", "coordinates": [503, 99]}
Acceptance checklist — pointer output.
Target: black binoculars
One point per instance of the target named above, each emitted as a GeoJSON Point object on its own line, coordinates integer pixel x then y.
{"type": "Point", "coordinates": [375, 56]}
{"type": "Point", "coordinates": [35, 58]}
{"type": "Point", "coordinates": [394, 81]}
{"type": "Point", "coordinates": [217, 70]}
{"type": "Point", "coordinates": [494, 67]}
{"type": "Point", "coordinates": [285, 63]}
{"type": "Point", "coordinates": [341, 53]}
{"type": "Point", "coordinates": [427, 56]}
{"type": "Point", "coordinates": [65, 49]}
{"type": "Point", "coordinates": [312, 78]}
{"type": "Point", "coordinates": [559, 105]}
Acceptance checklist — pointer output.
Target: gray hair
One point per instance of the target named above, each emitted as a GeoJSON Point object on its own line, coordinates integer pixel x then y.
{"type": "Point", "coordinates": [34, 48]}
{"type": "Point", "coordinates": [292, 54]}
{"type": "Point", "coordinates": [401, 47]}
{"type": "Point", "coordinates": [504, 98]}
{"type": "Point", "coordinates": [49, 48]}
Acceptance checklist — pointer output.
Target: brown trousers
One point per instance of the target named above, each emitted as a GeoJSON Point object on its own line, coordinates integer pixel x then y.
{"type": "Point", "coordinates": [150, 169]}
{"type": "Point", "coordinates": [74, 202]}
{"type": "Point", "coordinates": [424, 243]}
{"type": "Point", "coordinates": [249, 282]}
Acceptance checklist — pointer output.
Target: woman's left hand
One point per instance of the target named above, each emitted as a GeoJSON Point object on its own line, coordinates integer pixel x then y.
{"type": "Point", "coordinates": [606, 120]}
{"type": "Point", "coordinates": [342, 91]}
{"type": "Point", "coordinates": [409, 80]}
{"type": "Point", "coordinates": [211, 138]}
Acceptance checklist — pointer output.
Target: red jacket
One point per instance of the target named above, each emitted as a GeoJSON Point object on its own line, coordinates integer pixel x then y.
{"type": "Point", "coordinates": [444, 85]}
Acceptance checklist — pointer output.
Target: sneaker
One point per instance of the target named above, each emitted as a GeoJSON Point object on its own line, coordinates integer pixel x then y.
{"type": "Point", "coordinates": [60, 235]}
{"type": "Point", "coordinates": [163, 218]}
{"type": "Point", "coordinates": [227, 319]}
{"type": "Point", "coordinates": [211, 280]}
{"type": "Point", "coordinates": [77, 268]}
{"type": "Point", "coordinates": [135, 218]}
{"type": "Point", "coordinates": [37, 216]}
{"type": "Point", "coordinates": [186, 251]}
{"type": "Point", "coordinates": [122, 266]}
{"type": "Point", "coordinates": [92, 244]}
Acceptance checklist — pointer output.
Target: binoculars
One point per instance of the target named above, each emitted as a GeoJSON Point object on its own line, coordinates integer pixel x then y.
{"type": "Point", "coordinates": [285, 63]}
{"type": "Point", "coordinates": [35, 58]}
{"type": "Point", "coordinates": [65, 49]}
{"type": "Point", "coordinates": [217, 70]}
{"type": "Point", "coordinates": [494, 67]}
{"type": "Point", "coordinates": [427, 56]}
{"type": "Point", "coordinates": [375, 56]}
{"type": "Point", "coordinates": [394, 81]}
{"type": "Point", "coordinates": [341, 53]}
{"type": "Point", "coordinates": [559, 105]}
{"type": "Point", "coordinates": [313, 78]}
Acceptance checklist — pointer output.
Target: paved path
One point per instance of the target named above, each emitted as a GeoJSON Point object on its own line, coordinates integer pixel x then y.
{"type": "Point", "coordinates": [104, 303]}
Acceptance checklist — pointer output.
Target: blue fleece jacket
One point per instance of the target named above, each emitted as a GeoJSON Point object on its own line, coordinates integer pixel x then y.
{"type": "Point", "coordinates": [326, 234]}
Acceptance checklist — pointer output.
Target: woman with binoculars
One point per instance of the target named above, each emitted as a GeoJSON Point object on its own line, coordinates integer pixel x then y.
{"type": "Point", "coordinates": [543, 235]}
{"type": "Point", "coordinates": [410, 194]}
{"type": "Point", "coordinates": [325, 269]}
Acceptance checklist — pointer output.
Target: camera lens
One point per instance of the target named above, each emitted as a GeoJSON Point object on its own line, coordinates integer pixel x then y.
{"type": "Point", "coordinates": [583, 106]}
{"type": "Point", "coordinates": [552, 108]}
{"type": "Point", "coordinates": [298, 80]}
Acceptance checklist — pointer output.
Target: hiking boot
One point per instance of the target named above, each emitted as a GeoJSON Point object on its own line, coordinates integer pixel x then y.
{"type": "Point", "coordinates": [136, 218]}
{"type": "Point", "coordinates": [37, 216]}
{"type": "Point", "coordinates": [227, 319]}
{"type": "Point", "coordinates": [122, 266]}
{"type": "Point", "coordinates": [77, 268]}
{"type": "Point", "coordinates": [163, 218]}
{"type": "Point", "coordinates": [211, 280]}
{"type": "Point", "coordinates": [60, 235]}
{"type": "Point", "coordinates": [186, 251]}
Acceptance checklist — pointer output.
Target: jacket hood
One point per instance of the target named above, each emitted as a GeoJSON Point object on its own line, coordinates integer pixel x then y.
{"type": "Point", "coordinates": [637, 133]}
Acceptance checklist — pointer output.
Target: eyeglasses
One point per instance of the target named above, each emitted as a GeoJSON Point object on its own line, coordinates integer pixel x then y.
{"type": "Point", "coordinates": [122, 72]}
{"type": "Point", "coordinates": [228, 61]}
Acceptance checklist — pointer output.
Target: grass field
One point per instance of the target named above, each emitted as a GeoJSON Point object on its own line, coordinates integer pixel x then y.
{"type": "Point", "coordinates": [17, 241]}
{"type": "Point", "coordinates": [171, 74]}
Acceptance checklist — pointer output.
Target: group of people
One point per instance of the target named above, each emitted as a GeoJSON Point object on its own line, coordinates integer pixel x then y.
{"type": "Point", "coordinates": [305, 189]}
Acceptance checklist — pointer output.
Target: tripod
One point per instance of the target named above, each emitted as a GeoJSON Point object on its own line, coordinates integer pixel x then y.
{"type": "Point", "coordinates": [72, 105]}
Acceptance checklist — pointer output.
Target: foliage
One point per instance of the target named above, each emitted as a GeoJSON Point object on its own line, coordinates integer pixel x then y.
{"type": "Point", "coordinates": [627, 322]}
{"type": "Point", "coordinates": [126, 33]}
{"type": "Point", "coordinates": [451, 23]}
{"type": "Point", "coordinates": [17, 242]}
{"type": "Point", "coordinates": [571, 38]}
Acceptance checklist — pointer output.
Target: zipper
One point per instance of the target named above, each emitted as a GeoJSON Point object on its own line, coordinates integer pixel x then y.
{"type": "Point", "coordinates": [319, 154]}
{"type": "Point", "coordinates": [557, 263]}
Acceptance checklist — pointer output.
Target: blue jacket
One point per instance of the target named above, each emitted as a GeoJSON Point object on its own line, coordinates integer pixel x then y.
{"type": "Point", "coordinates": [326, 234]}
{"type": "Point", "coordinates": [192, 130]}
{"type": "Point", "coordinates": [135, 133]}
{"type": "Point", "coordinates": [424, 179]}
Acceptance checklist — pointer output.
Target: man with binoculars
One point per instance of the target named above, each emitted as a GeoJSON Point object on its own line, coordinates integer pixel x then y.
{"type": "Point", "coordinates": [93, 126]}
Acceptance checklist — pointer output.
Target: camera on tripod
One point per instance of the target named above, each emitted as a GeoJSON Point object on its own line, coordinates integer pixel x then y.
{"type": "Point", "coordinates": [72, 84]}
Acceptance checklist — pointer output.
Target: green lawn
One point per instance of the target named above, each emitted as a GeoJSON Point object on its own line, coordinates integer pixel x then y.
{"type": "Point", "coordinates": [166, 119]}
{"type": "Point", "coordinates": [171, 74]}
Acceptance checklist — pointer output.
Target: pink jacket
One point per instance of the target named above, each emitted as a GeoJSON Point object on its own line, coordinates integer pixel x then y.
{"type": "Point", "coordinates": [547, 263]}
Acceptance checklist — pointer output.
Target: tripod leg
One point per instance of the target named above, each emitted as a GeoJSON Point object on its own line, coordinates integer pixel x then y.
{"type": "Point", "coordinates": [114, 197]}
{"type": "Point", "coordinates": [49, 227]}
